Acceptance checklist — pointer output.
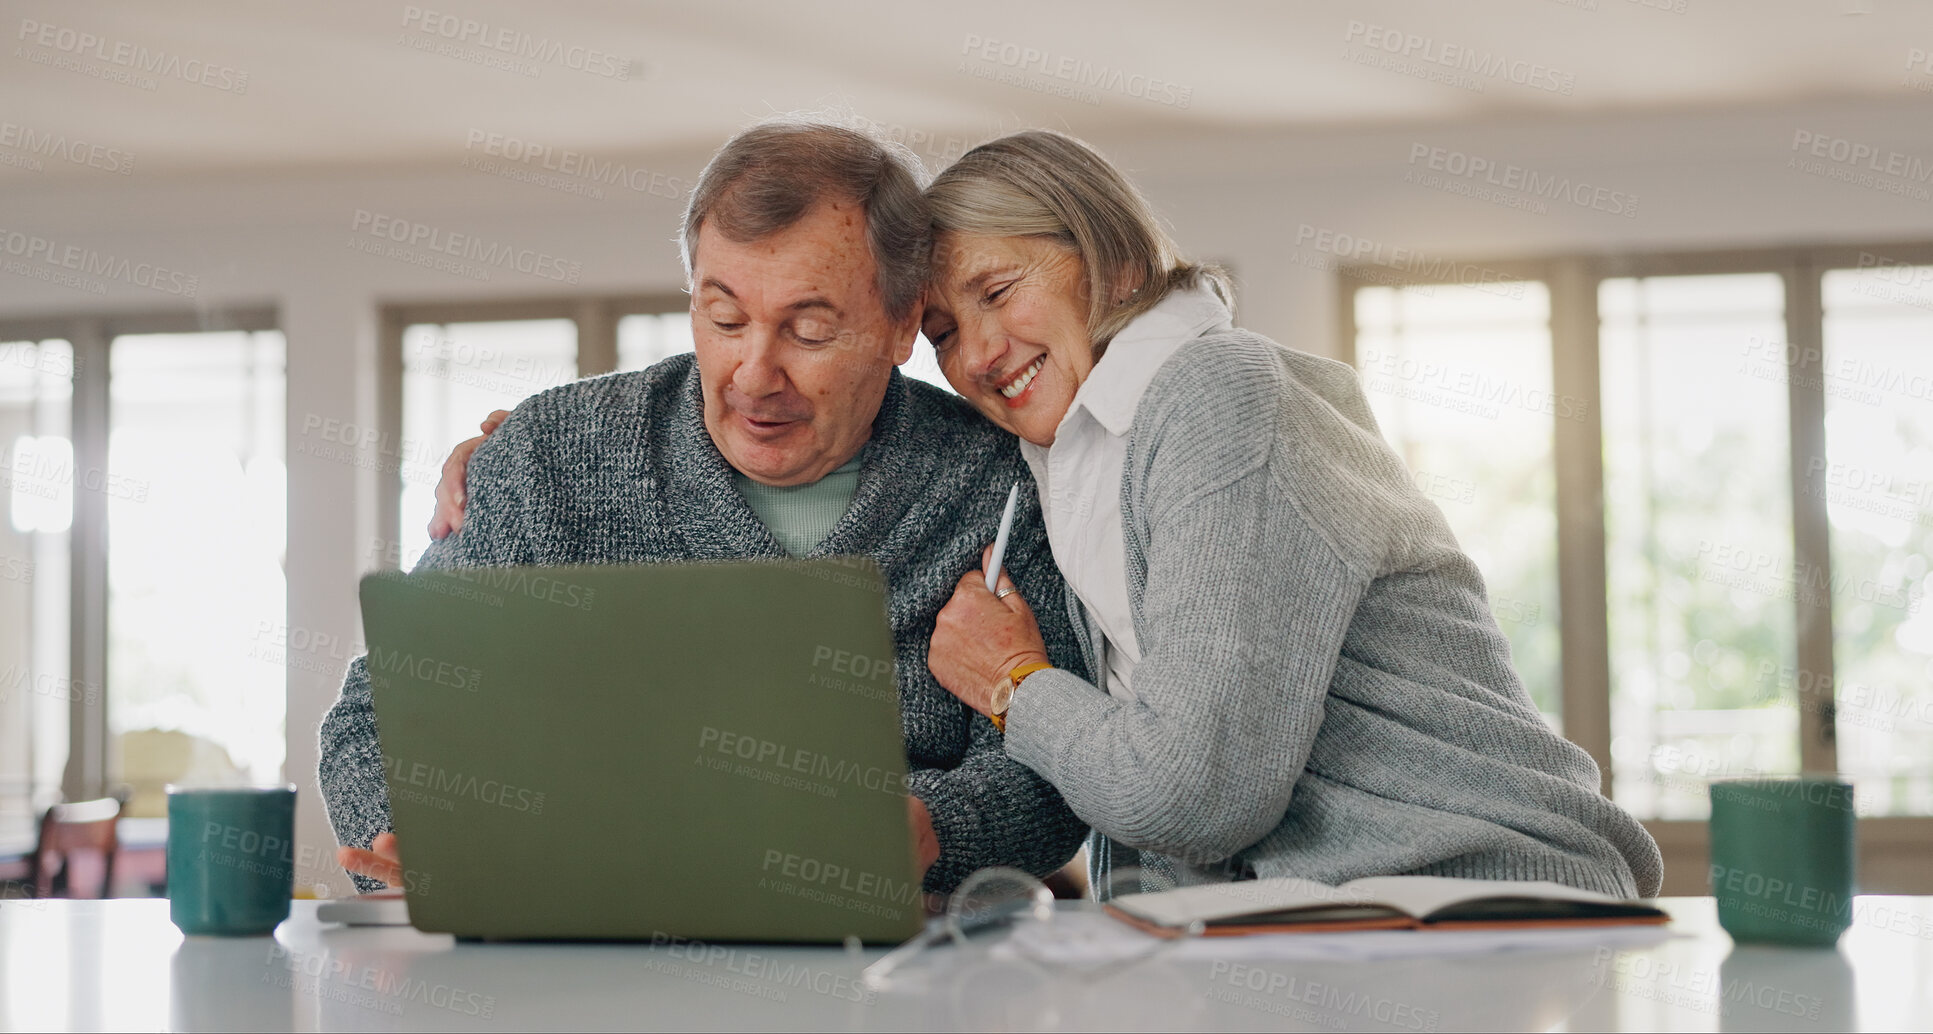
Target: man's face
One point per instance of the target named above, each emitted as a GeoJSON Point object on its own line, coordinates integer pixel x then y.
{"type": "Point", "coordinates": [794, 344]}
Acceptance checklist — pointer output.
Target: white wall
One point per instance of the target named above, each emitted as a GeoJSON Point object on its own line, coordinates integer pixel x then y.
{"type": "Point", "coordinates": [1702, 180]}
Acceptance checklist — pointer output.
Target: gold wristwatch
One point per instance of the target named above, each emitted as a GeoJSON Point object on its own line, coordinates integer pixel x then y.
{"type": "Point", "coordinates": [1003, 693]}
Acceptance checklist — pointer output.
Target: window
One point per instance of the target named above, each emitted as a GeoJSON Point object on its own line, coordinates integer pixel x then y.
{"type": "Point", "coordinates": [196, 492]}
{"type": "Point", "coordinates": [36, 401]}
{"type": "Point", "coordinates": [1877, 481]}
{"type": "Point", "coordinates": [1459, 379]}
{"type": "Point", "coordinates": [1698, 527]}
{"type": "Point", "coordinates": [455, 375]}
{"type": "Point", "coordinates": [644, 339]}
{"type": "Point", "coordinates": [1743, 511]}
{"type": "Point", "coordinates": [447, 366]}
{"type": "Point", "coordinates": [141, 549]}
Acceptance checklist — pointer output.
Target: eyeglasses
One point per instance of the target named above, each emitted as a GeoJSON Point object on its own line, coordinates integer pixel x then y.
{"type": "Point", "coordinates": [1074, 938]}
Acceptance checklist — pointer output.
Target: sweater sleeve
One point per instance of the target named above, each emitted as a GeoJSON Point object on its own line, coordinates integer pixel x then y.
{"type": "Point", "coordinates": [350, 770]}
{"type": "Point", "coordinates": [990, 809]}
{"type": "Point", "coordinates": [1248, 594]}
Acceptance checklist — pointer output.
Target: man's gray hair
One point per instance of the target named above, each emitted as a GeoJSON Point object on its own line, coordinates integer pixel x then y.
{"type": "Point", "coordinates": [769, 176]}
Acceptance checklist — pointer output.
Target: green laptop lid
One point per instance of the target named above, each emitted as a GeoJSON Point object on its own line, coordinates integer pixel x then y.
{"type": "Point", "coordinates": [706, 751]}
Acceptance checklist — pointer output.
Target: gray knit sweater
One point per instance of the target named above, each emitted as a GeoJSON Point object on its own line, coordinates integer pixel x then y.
{"type": "Point", "coordinates": [620, 469]}
{"type": "Point", "coordinates": [1322, 690]}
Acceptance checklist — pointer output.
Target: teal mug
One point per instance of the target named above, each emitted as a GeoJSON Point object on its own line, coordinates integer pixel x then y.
{"type": "Point", "coordinates": [231, 858]}
{"type": "Point", "coordinates": [1782, 858]}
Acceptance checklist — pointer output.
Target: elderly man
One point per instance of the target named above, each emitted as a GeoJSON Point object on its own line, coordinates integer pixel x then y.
{"type": "Point", "coordinates": [790, 432]}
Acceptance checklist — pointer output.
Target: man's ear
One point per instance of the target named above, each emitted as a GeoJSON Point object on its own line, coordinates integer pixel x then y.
{"type": "Point", "coordinates": [905, 335]}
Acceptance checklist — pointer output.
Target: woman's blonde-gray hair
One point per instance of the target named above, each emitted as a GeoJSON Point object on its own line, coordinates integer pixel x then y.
{"type": "Point", "coordinates": [1040, 183]}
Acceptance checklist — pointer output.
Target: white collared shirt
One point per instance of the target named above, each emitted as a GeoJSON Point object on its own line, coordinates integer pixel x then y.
{"type": "Point", "coordinates": [1080, 474]}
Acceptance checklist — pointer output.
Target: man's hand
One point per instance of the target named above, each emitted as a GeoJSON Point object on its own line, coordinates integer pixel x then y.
{"type": "Point", "coordinates": [980, 637]}
{"type": "Point", "coordinates": [381, 862]}
{"type": "Point", "coordinates": [926, 845]}
{"type": "Point", "coordinates": [450, 490]}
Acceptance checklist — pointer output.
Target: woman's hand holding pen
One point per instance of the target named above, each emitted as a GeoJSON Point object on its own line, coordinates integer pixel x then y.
{"type": "Point", "coordinates": [979, 637]}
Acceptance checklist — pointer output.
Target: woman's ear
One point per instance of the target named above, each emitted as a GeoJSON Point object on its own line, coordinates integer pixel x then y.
{"type": "Point", "coordinates": [1127, 287]}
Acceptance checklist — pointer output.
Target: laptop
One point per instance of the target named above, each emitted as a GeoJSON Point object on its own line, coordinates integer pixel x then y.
{"type": "Point", "coordinates": [708, 751]}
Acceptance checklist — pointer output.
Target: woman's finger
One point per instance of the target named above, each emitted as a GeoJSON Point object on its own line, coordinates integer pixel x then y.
{"type": "Point", "coordinates": [1009, 594]}
{"type": "Point", "coordinates": [452, 489]}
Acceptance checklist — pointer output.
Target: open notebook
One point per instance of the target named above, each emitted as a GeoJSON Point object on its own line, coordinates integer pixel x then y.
{"type": "Point", "coordinates": [1287, 905]}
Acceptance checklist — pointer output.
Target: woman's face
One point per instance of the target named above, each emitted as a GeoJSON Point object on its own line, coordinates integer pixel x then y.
{"type": "Point", "coordinates": [1007, 317]}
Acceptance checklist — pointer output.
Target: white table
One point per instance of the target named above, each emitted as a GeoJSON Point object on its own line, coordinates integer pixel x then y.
{"type": "Point", "coordinates": [122, 965]}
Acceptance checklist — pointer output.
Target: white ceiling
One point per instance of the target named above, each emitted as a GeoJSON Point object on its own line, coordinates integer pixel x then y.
{"type": "Point", "coordinates": [333, 83]}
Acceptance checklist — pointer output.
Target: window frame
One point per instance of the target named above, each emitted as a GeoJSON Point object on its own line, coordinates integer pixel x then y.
{"type": "Point", "coordinates": [90, 766]}
{"type": "Point", "coordinates": [596, 318]}
{"type": "Point", "coordinates": [1892, 848]}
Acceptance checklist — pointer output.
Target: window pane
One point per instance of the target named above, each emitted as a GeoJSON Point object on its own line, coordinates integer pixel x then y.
{"type": "Point", "coordinates": [454, 375]}
{"type": "Point", "coordinates": [1878, 481]}
{"type": "Point", "coordinates": [1459, 378]}
{"type": "Point", "coordinates": [196, 504]}
{"type": "Point", "coordinates": [647, 338]}
{"type": "Point", "coordinates": [36, 508]}
{"type": "Point", "coordinates": [1698, 523]}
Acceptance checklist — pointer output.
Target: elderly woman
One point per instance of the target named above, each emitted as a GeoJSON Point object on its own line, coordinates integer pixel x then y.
{"type": "Point", "coordinates": [1302, 675]}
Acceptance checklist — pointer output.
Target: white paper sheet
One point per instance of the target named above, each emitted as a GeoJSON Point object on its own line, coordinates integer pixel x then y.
{"type": "Point", "coordinates": [1087, 938]}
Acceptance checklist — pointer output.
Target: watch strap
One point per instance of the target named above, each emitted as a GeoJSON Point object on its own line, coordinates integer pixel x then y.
{"type": "Point", "coordinates": [1025, 670]}
{"type": "Point", "coordinates": [1016, 676]}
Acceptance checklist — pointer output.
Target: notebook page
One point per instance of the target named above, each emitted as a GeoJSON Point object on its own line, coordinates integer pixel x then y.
{"type": "Point", "coordinates": [1216, 901]}
{"type": "Point", "coordinates": [1422, 895]}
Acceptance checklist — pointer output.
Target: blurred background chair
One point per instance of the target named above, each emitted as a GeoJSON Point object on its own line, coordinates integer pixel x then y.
{"type": "Point", "coordinates": [83, 832]}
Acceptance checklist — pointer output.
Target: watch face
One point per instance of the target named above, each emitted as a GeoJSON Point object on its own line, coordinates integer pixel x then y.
{"type": "Point", "coordinates": [1002, 696]}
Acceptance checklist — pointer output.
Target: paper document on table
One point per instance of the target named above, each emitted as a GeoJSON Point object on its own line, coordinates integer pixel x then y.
{"type": "Point", "coordinates": [1093, 938]}
{"type": "Point", "coordinates": [376, 908]}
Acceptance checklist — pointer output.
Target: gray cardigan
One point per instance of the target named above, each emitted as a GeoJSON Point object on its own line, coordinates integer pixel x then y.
{"type": "Point", "coordinates": [620, 469]}
{"type": "Point", "coordinates": [1323, 692]}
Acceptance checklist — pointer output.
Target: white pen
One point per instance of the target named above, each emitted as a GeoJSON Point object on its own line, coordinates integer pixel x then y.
{"type": "Point", "coordinates": [1000, 538]}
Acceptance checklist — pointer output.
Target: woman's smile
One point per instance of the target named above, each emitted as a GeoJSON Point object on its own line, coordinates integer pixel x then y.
{"type": "Point", "coordinates": [1013, 388]}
